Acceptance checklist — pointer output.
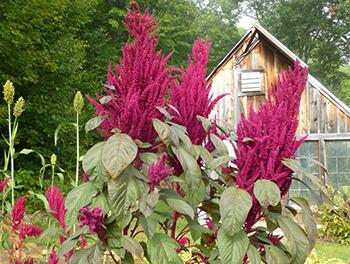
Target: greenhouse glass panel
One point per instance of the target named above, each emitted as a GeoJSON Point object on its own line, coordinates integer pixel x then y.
{"type": "Point", "coordinates": [338, 163]}
{"type": "Point", "coordinates": [307, 152]}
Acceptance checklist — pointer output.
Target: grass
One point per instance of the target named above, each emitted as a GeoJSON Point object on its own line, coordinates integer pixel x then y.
{"type": "Point", "coordinates": [334, 253]}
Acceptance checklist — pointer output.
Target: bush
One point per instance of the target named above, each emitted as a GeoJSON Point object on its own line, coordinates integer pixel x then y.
{"type": "Point", "coordinates": [335, 217]}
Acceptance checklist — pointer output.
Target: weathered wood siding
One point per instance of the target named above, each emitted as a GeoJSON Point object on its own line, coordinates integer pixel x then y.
{"type": "Point", "coordinates": [318, 115]}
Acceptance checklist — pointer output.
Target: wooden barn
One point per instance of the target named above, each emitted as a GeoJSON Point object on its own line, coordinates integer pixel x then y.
{"type": "Point", "coordinates": [245, 74]}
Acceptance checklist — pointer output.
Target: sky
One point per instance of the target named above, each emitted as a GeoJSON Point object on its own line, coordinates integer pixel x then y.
{"type": "Point", "coordinates": [246, 22]}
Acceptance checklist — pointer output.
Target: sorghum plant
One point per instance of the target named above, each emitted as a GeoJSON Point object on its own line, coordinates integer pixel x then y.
{"type": "Point", "coordinates": [160, 185]}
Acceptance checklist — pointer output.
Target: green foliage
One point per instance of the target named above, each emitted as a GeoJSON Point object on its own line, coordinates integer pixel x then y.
{"type": "Point", "coordinates": [335, 217]}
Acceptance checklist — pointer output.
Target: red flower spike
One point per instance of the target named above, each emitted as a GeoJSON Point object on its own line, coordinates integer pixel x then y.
{"type": "Point", "coordinates": [93, 219]}
{"type": "Point", "coordinates": [18, 211]}
{"type": "Point", "coordinates": [192, 97]}
{"type": "Point", "coordinates": [53, 259]}
{"type": "Point", "coordinates": [138, 84]}
{"type": "Point", "coordinates": [158, 171]}
{"type": "Point", "coordinates": [272, 129]}
{"type": "Point", "coordinates": [56, 203]}
{"type": "Point", "coordinates": [29, 231]}
{"type": "Point", "coordinates": [3, 183]}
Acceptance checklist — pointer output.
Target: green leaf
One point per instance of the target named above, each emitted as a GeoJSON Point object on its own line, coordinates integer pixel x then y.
{"type": "Point", "coordinates": [235, 205]}
{"type": "Point", "coordinates": [124, 191]}
{"type": "Point", "coordinates": [232, 248]}
{"type": "Point", "coordinates": [220, 146]}
{"type": "Point", "coordinates": [181, 206]}
{"type": "Point", "coordinates": [132, 246]}
{"type": "Point", "coordinates": [196, 229]}
{"type": "Point", "coordinates": [215, 163]}
{"type": "Point", "coordinates": [148, 157]}
{"type": "Point", "coordinates": [297, 240]}
{"type": "Point", "coordinates": [176, 202]}
{"type": "Point", "coordinates": [92, 165]}
{"type": "Point", "coordinates": [206, 124]}
{"type": "Point", "coordinates": [149, 225]}
{"type": "Point", "coordinates": [267, 193]}
{"type": "Point", "coordinates": [94, 123]}
{"type": "Point", "coordinates": [302, 174]}
{"type": "Point", "coordinates": [101, 201]}
{"type": "Point", "coordinates": [71, 242]}
{"type": "Point", "coordinates": [190, 166]}
{"type": "Point", "coordinates": [253, 255]}
{"type": "Point", "coordinates": [105, 99]}
{"type": "Point", "coordinates": [78, 198]}
{"type": "Point", "coordinates": [42, 198]}
{"type": "Point", "coordinates": [163, 131]}
{"type": "Point", "coordinates": [308, 220]}
{"type": "Point", "coordinates": [119, 151]}
{"type": "Point", "coordinates": [161, 250]}
{"type": "Point", "coordinates": [58, 129]}
{"type": "Point", "coordinates": [148, 203]}
{"type": "Point", "coordinates": [274, 255]}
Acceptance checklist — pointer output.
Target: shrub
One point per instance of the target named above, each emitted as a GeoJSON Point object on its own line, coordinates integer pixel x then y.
{"type": "Point", "coordinates": [335, 217]}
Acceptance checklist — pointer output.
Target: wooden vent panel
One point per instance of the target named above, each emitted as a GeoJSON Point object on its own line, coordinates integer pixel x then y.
{"type": "Point", "coordinates": [251, 81]}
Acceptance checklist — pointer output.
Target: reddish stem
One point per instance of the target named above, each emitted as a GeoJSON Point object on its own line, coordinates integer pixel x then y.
{"type": "Point", "coordinates": [173, 227]}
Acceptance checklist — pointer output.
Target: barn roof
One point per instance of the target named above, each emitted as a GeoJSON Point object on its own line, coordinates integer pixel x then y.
{"type": "Point", "coordinates": [258, 32]}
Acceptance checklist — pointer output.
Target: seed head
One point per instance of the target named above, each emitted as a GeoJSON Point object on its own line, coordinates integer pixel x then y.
{"type": "Point", "coordinates": [78, 102]}
{"type": "Point", "coordinates": [19, 107]}
{"type": "Point", "coordinates": [9, 92]}
{"type": "Point", "coordinates": [53, 159]}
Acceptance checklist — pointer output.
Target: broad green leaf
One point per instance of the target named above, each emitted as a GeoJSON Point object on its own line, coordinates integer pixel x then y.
{"type": "Point", "coordinates": [132, 246]}
{"type": "Point", "coordinates": [181, 206]}
{"type": "Point", "coordinates": [267, 193]}
{"type": "Point", "coordinates": [90, 255]}
{"type": "Point", "coordinates": [124, 191]}
{"type": "Point", "coordinates": [42, 198]}
{"type": "Point", "coordinates": [308, 220]}
{"type": "Point", "coordinates": [163, 131]}
{"type": "Point", "coordinates": [118, 152]}
{"type": "Point", "coordinates": [94, 123]}
{"type": "Point", "coordinates": [297, 240]}
{"type": "Point", "coordinates": [105, 99]}
{"type": "Point", "coordinates": [92, 165]}
{"type": "Point", "coordinates": [215, 163]}
{"type": "Point", "coordinates": [71, 242]}
{"type": "Point", "coordinates": [235, 205]}
{"type": "Point", "coordinates": [253, 255]}
{"type": "Point", "coordinates": [149, 225]}
{"type": "Point", "coordinates": [176, 202]}
{"type": "Point", "coordinates": [274, 255]}
{"type": "Point", "coordinates": [148, 157]}
{"type": "Point", "coordinates": [148, 203]}
{"type": "Point", "coordinates": [206, 124]}
{"type": "Point", "coordinates": [101, 201]}
{"type": "Point", "coordinates": [141, 144]}
{"type": "Point", "coordinates": [220, 146]}
{"type": "Point", "coordinates": [232, 248]}
{"type": "Point", "coordinates": [196, 229]}
{"type": "Point", "coordinates": [78, 198]}
{"type": "Point", "coordinates": [302, 174]}
{"type": "Point", "coordinates": [178, 134]}
{"type": "Point", "coordinates": [161, 250]}
{"type": "Point", "coordinates": [190, 166]}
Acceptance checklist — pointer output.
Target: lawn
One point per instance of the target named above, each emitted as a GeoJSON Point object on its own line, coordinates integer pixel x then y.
{"type": "Point", "coordinates": [327, 252]}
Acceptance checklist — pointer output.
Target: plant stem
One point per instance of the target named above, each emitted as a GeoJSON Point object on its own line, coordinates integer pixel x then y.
{"type": "Point", "coordinates": [53, 174]}
{"type": "Point", "coordinates": [78, 154]}
{"type": "Point", "coordinates": [11, 156]}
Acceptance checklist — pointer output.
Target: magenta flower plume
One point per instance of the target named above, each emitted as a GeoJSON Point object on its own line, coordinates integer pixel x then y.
{"type": "Point", "coordinates": [29, 231]}
{"type": "Point", "coordinates": [271, 131]}
{"type": "Point", "coordinates": [93, 219]}
{"type": "Point", "coordinates": [3, 184]}
{"type": "Point", "coordinates": [56, 204]}
{"type": "Point", "coordinates": [138, 85]}
{"type": "Point", "coordinates": [158, 171]}
{"type": "Point", "coordinates": [53, 258]}
{"type": "Point", "coordinates": [191, 96]}
{"type": "Point", "coordinates": [18, 211]}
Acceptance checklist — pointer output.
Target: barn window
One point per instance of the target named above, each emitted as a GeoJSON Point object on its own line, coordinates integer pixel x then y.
{"type": "Point", "coordinates": [252, 81]}
{"type": "Point", "coordinates": [338, 163]}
